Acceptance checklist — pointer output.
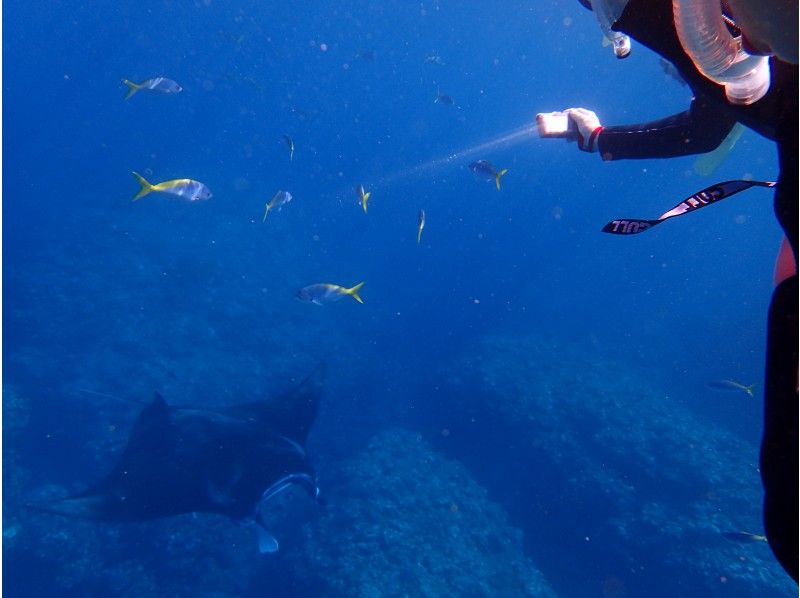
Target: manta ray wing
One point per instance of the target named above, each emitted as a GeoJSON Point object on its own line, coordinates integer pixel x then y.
{"type": "Point", "coordinates": [182, 460]}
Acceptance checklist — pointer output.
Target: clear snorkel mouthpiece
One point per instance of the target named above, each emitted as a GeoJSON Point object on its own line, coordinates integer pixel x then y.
{"type": "Point", "coordinates": [607, 13]}
{"type": "Point", "coordinates": [622, 44]}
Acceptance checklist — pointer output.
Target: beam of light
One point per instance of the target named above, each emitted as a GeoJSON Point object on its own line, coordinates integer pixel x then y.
{"type": "Point", "coordinates": [504, 139]}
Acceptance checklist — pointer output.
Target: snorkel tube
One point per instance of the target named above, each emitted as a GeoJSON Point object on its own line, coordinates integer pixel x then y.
{"type": "Point", "coordinates": [717, 54]}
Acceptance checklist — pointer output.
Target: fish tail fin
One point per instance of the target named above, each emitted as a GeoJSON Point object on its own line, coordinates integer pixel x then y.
{"type": "Point", "coordinates": [146, 187]}
{"type": "Point", "coordinates": [353, 292]}
{"type": "Point", "coordinates": [749, 389]}
{"type": "Point", "coordinates": [266, 213]}
{"type": "Point", "coordinates": [419, 236]}
{"type": "Point", "coordinates": [497, 177]}
{"type": "Point", "coordinates": [132, 88]}
{"type": "Point", "coordinates": [364, 200]}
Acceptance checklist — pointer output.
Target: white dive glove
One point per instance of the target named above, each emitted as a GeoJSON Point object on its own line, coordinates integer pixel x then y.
{"type": "Point", "coordinates": [587, 127]}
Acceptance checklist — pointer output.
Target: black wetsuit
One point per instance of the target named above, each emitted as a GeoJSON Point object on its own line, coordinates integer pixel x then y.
{"type": "Point", "coordinates": [701, 129]}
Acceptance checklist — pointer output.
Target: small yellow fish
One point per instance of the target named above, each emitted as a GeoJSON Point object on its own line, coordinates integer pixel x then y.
{"type": "Point", "coordinates": [363, 196]}
{"type": "Point", "coordinates": [732, 385]}
{"type": "Point", "coordinates": [485, 170]}
{"type": "Point", "coordinates": [323, 293]}
{"type": "Point", "coordinates": [280, 199]}
{"type": "Point", "coordinates": [290, 144]}
{"type": "Point", "coordinates": [420, 225]}
{"type": "Point", "coordinates": [744, 537]}
{"type": "Point", "coordinates": [184, 188]}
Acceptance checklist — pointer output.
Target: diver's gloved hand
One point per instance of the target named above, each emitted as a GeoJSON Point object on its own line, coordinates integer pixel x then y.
{"type": "Point", "coordinates": [587, 128]}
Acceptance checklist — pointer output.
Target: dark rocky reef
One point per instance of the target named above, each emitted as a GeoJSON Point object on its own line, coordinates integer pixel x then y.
{"type": "Point", "coordinates": [403, 520]}
{"type": "Point", "coordinates": [610, 470]}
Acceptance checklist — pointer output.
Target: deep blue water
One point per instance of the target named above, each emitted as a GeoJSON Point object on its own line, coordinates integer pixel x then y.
{"type": "Point", "coordinates": [197, 299]}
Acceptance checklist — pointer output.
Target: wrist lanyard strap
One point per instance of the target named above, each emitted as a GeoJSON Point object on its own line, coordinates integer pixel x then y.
{"type": "Point", "coordinates": [701, 199]}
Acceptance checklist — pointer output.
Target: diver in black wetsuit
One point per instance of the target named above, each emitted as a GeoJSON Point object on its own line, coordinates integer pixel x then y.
{"type": "Point", "coordinates": [702, 128]}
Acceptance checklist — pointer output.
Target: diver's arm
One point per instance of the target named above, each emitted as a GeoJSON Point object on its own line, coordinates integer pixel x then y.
{"type": "Point", "coordinates": [698, 130]}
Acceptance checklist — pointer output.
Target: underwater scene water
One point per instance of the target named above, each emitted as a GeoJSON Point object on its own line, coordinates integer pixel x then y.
{"type": "Point", "coordinates": [520, 406]}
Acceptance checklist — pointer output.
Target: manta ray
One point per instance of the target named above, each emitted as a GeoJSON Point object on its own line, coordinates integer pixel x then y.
{"type": "Point", "coordinates": [229, 461]}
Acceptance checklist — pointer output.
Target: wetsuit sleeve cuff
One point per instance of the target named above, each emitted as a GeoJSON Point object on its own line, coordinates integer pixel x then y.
{"type": "Point", "coordinates": [605, 155]}
{"type": "Point", "coordinates": [593, 144]}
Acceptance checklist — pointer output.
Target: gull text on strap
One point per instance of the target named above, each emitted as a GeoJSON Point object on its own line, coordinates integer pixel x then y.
{"type": "Point", "coordinates": [629, 227]}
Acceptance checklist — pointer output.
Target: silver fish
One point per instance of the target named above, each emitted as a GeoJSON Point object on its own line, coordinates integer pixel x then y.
{"type": "Point", "coordinates": [731, 385]}
{"type": "Point", "coordinates": [290, 144]}
{"type": "Point", "coordinates": [280, 199]}
{"type": "Point", "coordinates": [443, 99]}
{"type": "Point", "coordinates": [156, 84]}
{"type": "Point", "coordinates": [743, 537]}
